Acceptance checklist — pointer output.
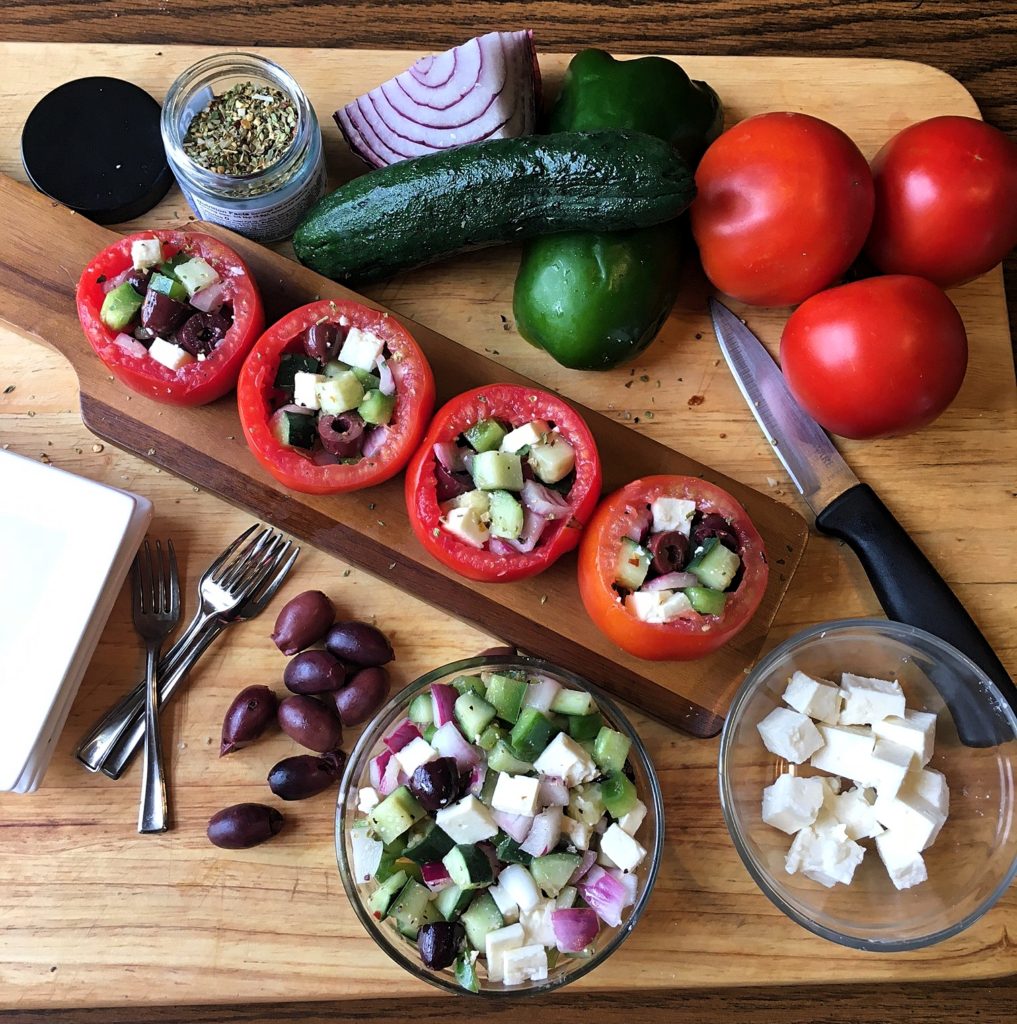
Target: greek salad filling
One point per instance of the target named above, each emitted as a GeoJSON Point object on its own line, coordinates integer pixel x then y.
{"type": "Point", "coordinates": [172, 307]}
{"type": "Point", "coordinates": [499, 486]}
{"type": "Point", "coordinates": [336, 396]}
{"type": "Point", "coordinates": [499, 827]}
{"type": "Point", "coordinates": [677, 561]}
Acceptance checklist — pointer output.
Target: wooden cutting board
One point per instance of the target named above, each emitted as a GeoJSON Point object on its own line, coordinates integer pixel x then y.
{"type": "Point", "coordinates": [94, 914]}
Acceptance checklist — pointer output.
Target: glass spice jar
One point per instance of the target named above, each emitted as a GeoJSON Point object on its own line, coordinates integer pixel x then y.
{"type": "Point", "coordinates": [264, 203]}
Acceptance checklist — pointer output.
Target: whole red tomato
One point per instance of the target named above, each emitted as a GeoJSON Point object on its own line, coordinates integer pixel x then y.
{"type": "Point", "coordinates": [783, 208]}
{"type": "Point", "coordinates": [946, 200]}
{"type": "Point", "coordinates": [875, 358]}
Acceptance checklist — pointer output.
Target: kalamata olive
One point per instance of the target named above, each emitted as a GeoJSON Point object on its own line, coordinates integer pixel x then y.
{"type": "Point", "coordinates": [713, 524]}
{"type": "Point", "coordinates": [297, 778]}
{"type": "Point", "coordinates": [309, 722]}
{"type": "Point", "coordinates": [449, 485]}
{"type": "Point", "coordinates": [138, 280]}
{"type": "Point", "coordinates": [162, 314]}
{"type": "Point", "coordinates": [439, 943]}
{"type": "Point", "coordinates": [247, 718]}
{"type": "Point", "coordinates": [202, 332]}
{"type": "Point", "coordinates": [436, 783]}
{"type": "Point", "coordinates": [498, 652]}
{"type": "Point", "coordinates": [314, 672]}
{"type": "Point", "coordinates": [342, 435]}
{"type": "Point", "coordinates": [243, 825]}
{"type": "Point", "coordinates": [303, 621]}
{"type": "Point", "coordinates": [359, 643]}
{"type": "Point", "coordinates": [669, 551]}
{"type": "Point", "coordinates": [365, 692]}
{"type": "Point", "coordinates": [322, 341]}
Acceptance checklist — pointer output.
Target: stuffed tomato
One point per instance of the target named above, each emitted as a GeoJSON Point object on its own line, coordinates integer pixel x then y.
{"type": "Point", "coordinates": [504, 482]}
{"type": "Point", "coordinates": [671, 568]}
{"type": "Point", "coordinates": [171, 314]}
{"type": "Point", "coordinates": [335, 397]}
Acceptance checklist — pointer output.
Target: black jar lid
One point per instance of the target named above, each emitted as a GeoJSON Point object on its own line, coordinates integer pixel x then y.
{"type": "Point", "coordinates": [94, 145]}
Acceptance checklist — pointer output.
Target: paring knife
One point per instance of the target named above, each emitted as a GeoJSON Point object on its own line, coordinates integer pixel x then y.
{"type": "Point", "coordinates": [906, 583]}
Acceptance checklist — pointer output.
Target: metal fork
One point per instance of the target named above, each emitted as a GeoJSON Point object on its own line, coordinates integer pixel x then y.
{"type": "Point", "coordinates": [227, 591]}
{"type": "Point", "coordinates": [156, 610]}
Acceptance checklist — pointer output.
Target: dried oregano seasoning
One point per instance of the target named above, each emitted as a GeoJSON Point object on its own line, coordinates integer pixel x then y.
{"type": "Point", "coordinates": [245, 130]}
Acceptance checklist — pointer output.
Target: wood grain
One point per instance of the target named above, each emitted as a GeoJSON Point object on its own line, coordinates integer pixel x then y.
{"type": "Point", "coordinates": [707, 924]}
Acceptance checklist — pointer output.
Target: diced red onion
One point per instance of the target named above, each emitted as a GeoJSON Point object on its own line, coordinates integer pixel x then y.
{"type": "Point", "coordinates": [516, 825]}
{"type": "Point", "coordinates": [544, 832]}
{"type": "Point", "coordinates": [374, 440]}
{"type": "Point", "coordinates": [115, 282]}
{"type": "Point", "coordinates": [574, 929]}
{"type": "Point", "coordinates": [320, 457]}
{"type": "Point", "coordinates": [552, 791]}
{"type": "Point", "coordinates": [449, 742]}
{"type": "Point", "coordinates": [478, 773]}
{"type": "Point", "coordinates": [533, 530]}
{"type": "Point", "coordinates": [601, 827]}
{"type": "Point", "coordinates": [672, 581]}
{"type": "Point", "coordinates": [394, 777]}
{"type": "Point", "coordinates": [604, 894]}
{"type": "Point", "coordinates": [386, 381]}
{"type": "Point", "coordinates": [443, 701]}
{"type": "Point", "coordinates": [402, 734]}
{"type": "Point", "coordinates": [376, 767]}
{"type": "Point", "coordinates": [131, 345]}
{"type": "Point", "coordinates": [450, 455]}
{"type": "Point", "coordinates": [589, 858]}
{"type": "Point", "coordinates": [210, 299]}
{"type": "Point", "coordinates": [545, 502]}
{"type": "Point", "coordinates": [639, 524]}
{"type": "Point", "coordinates": [500, 546]}
{"type": "Point", "coordinates": [435, 875]}
{"type": "Point", "coordinates": [629, 881]}
{"type": "Point", "coordinates": [487, 88]}
{"type": "Point", "coordinates": [541, 694]}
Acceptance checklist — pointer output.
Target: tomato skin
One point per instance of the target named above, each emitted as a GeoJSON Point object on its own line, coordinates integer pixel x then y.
{"type": "Point", "coordinates": [784, 205]}
{"type": "Point", "coordinates": [877, 357]}
{"type": "Point", "coordinates": [683, 639]}
{"type": "Point", "coordinates": [946, 200]}
{"type": "Point", "coordinates": [199, 382]}
{"type": "Point", "coordinates": [517, 405]}
{"type": "Point", "coordinates": [292, 466]}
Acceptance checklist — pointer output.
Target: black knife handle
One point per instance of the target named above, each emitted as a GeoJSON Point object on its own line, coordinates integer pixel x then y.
{"type": "Point", "coordinates": [911, 591]}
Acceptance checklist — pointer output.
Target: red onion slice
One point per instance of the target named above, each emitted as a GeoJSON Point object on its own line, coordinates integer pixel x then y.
{"type": "Point", "coordinates": [393, 779]}
{"type": "Point", "coordinates": [374, 441]}
{"type": "Point", "coordinates": [640, 522]}
{"type": "Point", "coordinates": [387, 381]}
{"type": "Point", "coordinates": [450, 455]}
{"type": "Point", "coordinates": [449, 742]}
{"type": "Point", "coordinates": [544, 832]}
{"type": "Point", "coordinates": [588, 860]}
{"type": "Point", "coordinates": [545, 502]}
{"type": "Point", "coordinates": [443, 701]}
{"type": "Point", "coordinates": [402, 734]}
{"type": "Point", "coordinates": [501, 546]}
{"type": "Point", "coordinates": [377, 766]}
{"type": "Point", "coordinates": [435, 875]}
{"type": "Point", "coordinates": [629, 881]}
{"type": "Point", "coordinates": [604, 894]}
{"type": "Point", "coordinates": [487, 88]}
{"type": "Point", "coordinates": [130, 345]}
{"type": "Point", "coordinates": [515, 825]}
{"type": "Point", "coordinates": [541, 694]}
{"type": "Point", "coordinates": [478, 773]}
{"type": "Point", "coordinates": [671, 581]}
{"type": "Point", "coordinates": [115, 282]}
{"type": "Point", "coordinates": [210, 299]}
{"type": "Point", "coordinates": [533, 529]}
{"type": "Point", "coordinates": [574, 929]}
{"type": "Point", "coordinates": [552, 791]}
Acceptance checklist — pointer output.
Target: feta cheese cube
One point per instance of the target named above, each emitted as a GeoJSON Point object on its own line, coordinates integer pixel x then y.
{"type": "Point", "coordinates": [479, 501]}
{"type": "Point", "coordinates": [789, 734]}
{"type": "Point", "coordinates": [467, 821]}
{"type": "Point", "coordinates": [526, 963]}
{"type": "Point", "coordinates": [537, 923]}
{"type": "Point", "coordinates": [515, 794]}
{"type": "Point", "coordinates": [507, 906]}
{"type": "Point", "coordinates": [630, 822]}
{"type": "Point", "coordinates": [169, 355]}
{"type": "Point", "coordinates": [917, 730]}
{"type": "Point", "coordinates": [195, 275]}
{"type": "Point", "coordinates": [869, 700]}
{"type": "Point", "coordinates": [621, 848]}
{"type": "Point", "coordinates": [672, 514]}
{"type": "Point", "coordinates": [497, 944]}
{"type": "Point", "coordinates": [854, 811]}
{"type": "Point", "coordinates": [361, 349]}
{"type": "Point", "coordinates": [145, 253]}
{"type": "Point", "coordinates": [305, 389]}
{"type": "Point", "coordinates": [645, 604]}
{"type": "Point", "coordinates": [565, 758]}
{"type": "Point", "coordinates": [846, 750]}
{"type": "Point", "coordinates": [367, 799]}
{"type": "Point", "coordinates": [417, 752]}
{"type": "Point", "coordinates": [903, 863]}
{"type": "Point", "coordinates": [913, 818]}
{"type": "Point", "coordinates": [577, 833]}
{"type": "Point", "coordinates": [528, 433]}
{"type": "Point", "coordinates": [827, 858]}
{"type": "Point", "coordinates": [366, 854]}
{"type": "Point", "coordinates": [890, 764]}
{"type": "Point", "coordinates": [466, 524]}
{"type": "Point", "coordinates": [675, 606]}
{"type": "Point", "coordinates": [792, 802]}
{"type": "Point", "coordinates": [519, 886]}
{"type": "Point", "coordinates": [817, 698]}
{"type": "Point", "coordinates": [931, 786]}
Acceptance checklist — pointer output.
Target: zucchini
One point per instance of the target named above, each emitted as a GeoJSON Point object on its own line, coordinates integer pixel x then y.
{"type": "Point", "coordinates": [504, 190]}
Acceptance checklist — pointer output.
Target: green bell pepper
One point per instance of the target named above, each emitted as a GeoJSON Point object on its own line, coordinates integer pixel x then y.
{"type": "Point", "coordinates": [594, 300]}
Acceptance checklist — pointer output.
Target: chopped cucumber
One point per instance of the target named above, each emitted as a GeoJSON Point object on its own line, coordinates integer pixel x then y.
{"type": "Point", "coordinates": [451, 902]}
{"type": "Point", "coordinates": [469, 867]}
{"type": "Point", "coordinates": [619, 794]}
{"type": "Point", "coordinates": [411, 867]}
{"type": "Point", "coordinates": [296, 429]}
{"type": "Point", "coordinates": [169, 267]}
{"type": "Point", "coordinates": [377, 408]}
{"type": "Point", "coordinates": [482, 916]}
{"type": "Point", "coordinates": [410, 908]}
{"type": "Point", "coordinates": [421, 710]}
{"type": "Point", "coordinates": [339, 394]}
{"type": "Point", "coordinates": [706, 601]}
{"type": "Point", "coordinates": [290, 364]}
{"type": "Point", "coordinates": [396, 814]}
{"type": "Point", "coordinates": [466, 972]}
{"type": "Point", "coordinates": [509, 851]}
{"type": "Point", "coordinates": [195, 275]}
{"type": "Point", "coordinates": [387, 866]}
{"type": "Point", "coordinates": [610, 750]}
{"type": "Point", "coordinates": [167, 286]}
{"type": "Point", "coordinates": [478, 501]}
{"type": "Point", "coordinates": [487, 790]}
{"type": "Point", "coordinates": [432, 844]}
{"type": "Point", "coordinates": [334, 368]}
{"type": "Point", "coordinates": [490, 736]}
{"type": "Point", "coordinates": [531, 733]}
{"type": "Point", "coordinates": [506, 515]}
{"type": "Point", "coordinates": [473, 714]}
{"type": "Point", "coordinates": [566, 898]}
{"type": "Point", "coordinates": [368, 381]}
{"type": "Point", "coordinates": [714, 565]}
{"type": "Point", "coordinates": [485, 436]}
{"type": "Point", "coordinates": [585, 727]}
{"type": "Point", "coordinates": [586, 803]}
{"type": "Point", "coordinates": [506, 694]}
{"type": "Point", "coordinates": [503, 759]}
{"type": "Point", "coordinates": [382, 897]}
{"type": "Point", "coordinates": [633, 565]}
{"type": "Point", "coordinates": [552, 871]}
{"type": "Point", "coordinates": [573, 702]}
{"type": "Point", "coordinates": [430, 731]}
{"type": "Point", "coordinates": [497, 471]}
{"type": "Point", "coordinates": [469, 683]}
{"type": "Point", "coordinates": [121, 306]}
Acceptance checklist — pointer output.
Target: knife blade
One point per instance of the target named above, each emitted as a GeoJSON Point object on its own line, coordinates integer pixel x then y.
{"type": "Point", "coordinates": [906, 583]}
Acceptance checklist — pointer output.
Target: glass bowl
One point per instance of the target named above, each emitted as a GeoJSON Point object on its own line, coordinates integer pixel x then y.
{"type": "Point", "coordinates": [975, 857]}
{"type": "Point", "coordinates": [403, 950]}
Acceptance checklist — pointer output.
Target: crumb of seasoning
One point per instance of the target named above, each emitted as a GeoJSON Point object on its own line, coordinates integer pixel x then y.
{"type": "Point", "coordinates": [6, 447]}
{"type": "Point", "coordinates": [635, 420]}
{"type": "Point", "coordinates": [696, 400]}
{"type": "Point", "coordinates": [371, 505]}
{"type": "Point", "coordinates": [77, 451]}
{"type": "Point", "coordinates": [196, 489]}
{"type": "Point", "coordinates": [31, 412]}
{"type": "Point", "coordinates": [722, 436]}
{"type": "Point", "coordinates": [9, 389]}
{"type": "Point", "coordinates": [629, 383]}
{"type": "Point", "coordinates": [644, 377]}
{"type": "Point", "coordinates": [391, 566]}
{"type": "Point", "coordinates": [648, 414]}
{"type": "Point", "coordinates": [96, 448]}
{"type": "Point", "coordinates": [43, 457]}
{"type": "Point", "coordinates": [543, 598]}
{"type": "Point", "coordinates": [699, 337]}
{"type": "Point", "coordinates": [151, 451]}
{"type": "Point", "coordinates": [381, 522]}
{"type": "Point", "coordinates": [346, 572]}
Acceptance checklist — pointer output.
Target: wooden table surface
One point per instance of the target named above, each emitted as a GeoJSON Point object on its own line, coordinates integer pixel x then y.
{"type": "Point", "coordinates": [975, 42]}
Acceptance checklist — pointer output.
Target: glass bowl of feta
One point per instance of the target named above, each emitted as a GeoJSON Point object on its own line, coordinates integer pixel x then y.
{"type": "Point", "coordinates": [867, 780]}
{"type": "Point", "coordinates": [499, 826]}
